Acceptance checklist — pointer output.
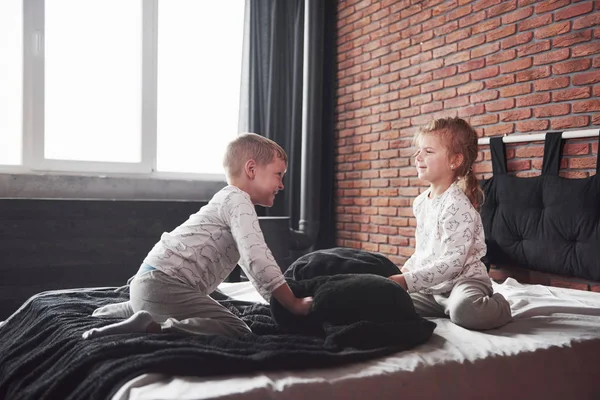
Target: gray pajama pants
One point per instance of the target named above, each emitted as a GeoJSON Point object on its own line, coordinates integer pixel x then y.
{"type": "Point", "coordinates": [181, 308]}
{"type": "Point", "coordinates": [471, 304]}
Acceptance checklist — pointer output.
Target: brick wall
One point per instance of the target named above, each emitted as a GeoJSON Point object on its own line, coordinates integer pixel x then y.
{"type": "Point", "coordinates": [507, 67]}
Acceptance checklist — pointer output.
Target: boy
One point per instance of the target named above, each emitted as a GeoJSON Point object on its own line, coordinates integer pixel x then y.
{"type": "Point", "coordinates": [171, 289]}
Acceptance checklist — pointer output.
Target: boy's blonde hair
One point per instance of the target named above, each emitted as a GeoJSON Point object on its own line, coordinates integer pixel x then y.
{"type": "Point", "coordinates": [458, 137]}
{"type": "Point", "coordinates": [250, 146]}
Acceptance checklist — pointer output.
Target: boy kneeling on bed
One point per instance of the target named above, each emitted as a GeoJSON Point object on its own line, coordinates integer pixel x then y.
{"type": "Point", "coordinates": [170, 292]}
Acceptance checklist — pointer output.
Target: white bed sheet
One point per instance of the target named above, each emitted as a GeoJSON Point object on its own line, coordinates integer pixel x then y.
{"type": "Point", "coordinates": [549, 351]}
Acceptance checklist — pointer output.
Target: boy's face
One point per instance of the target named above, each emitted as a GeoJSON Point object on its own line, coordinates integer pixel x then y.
{"type": "Point", "coordinates": [268, 180]}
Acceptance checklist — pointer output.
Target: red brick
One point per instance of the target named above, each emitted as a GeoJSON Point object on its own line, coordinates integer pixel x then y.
{"type": "Point", "coordinates": [443, 51]}
{"type": "Point", "coordinates": [458, 35]}
{"type": "Point", "coordinates": [482, 4]}
{"type": "Point", "coordinates": [431, 107]}
{"type": "Point", "coordinates": [418, 100]}
{"type": "Point", "coordinates": [516, 40]}
{"type": "Point", "coordinates": [421, 79]}
{"type": "Point", "coordinates": [587, 21]}
{"type": "Point", "coordinates": [502, 129]}
{"type": "Point", "coordinates": [444, 72]}
{"type": "Point", "coordinates": [533, 74]}
{"type": "Point", "coordinates": [517, 65]}
{"type": "Point", "coordinates": [570, 122]}
{"type": "Point", "coordinates": [572, 94]}
{"type": "Point", "coordinates": [485, 73]}
{"type": "Point", "coordinates": [582, 162]}
{"type": "Point", "coordinates": [482, 167]}
{"type": "Point", "coordinates": [551, 110]}
{"type": "Point", "coordinates": [486, 26]}
{"type": "Point", "coordinates": [551, 83]}
{"type": "Point", "coordinates": [550, 5]}
{"type": "Point", "coordinates": [486, 119]}
{"type": "Point", "coordinates": [503, 8]}
{"type": "Point", "coordinates": [533, 48]}
{"type": "Point", "coordinates": [551, 57]}
{"type": "Point", "coordinates": [568, 67]}
{"type": "Point", "coordinates": [535, 22]}
{"type": "Point", "coordinates": [520, 14]}
{"type": "Point", "coordinates": [459, 13]}
{"type": "Point", "coordinates": [503, 104]}
{"type": "Point", "coordinates": [471, 42]}
{"type": "Point", "coordinates": [501, 33]}
{"type": "Point", "coordinates": [586, 78]}
{"type": "Point", "coordinates": [515, 115]}
{"type": "Point", "coordinates": [470, 88]}
{"type": "Point", "coordinates": [515, 90]}
{"type": "Point", "coordinates": [596, 62]}
{"type": "Point", "coordinates": [586, 106]}
{"type": "Point", "coordinates": [573, 174]}
{"type": "Point", "coordinates": [500, 81]}
{"type": "Point", "coordinates": [573, 11]}
{"type": "Point", "coordinates": [585, 49]}
{"type": "Point", "coordinates": [473, 65]}
{"type": "Point", "coordinates": [432, 65]}
{"type": "Point", "coordinates": [532, 126]}
{"type": "Point", "coordinates": [529, 151]}
{"type": "Point", "coordinates": [434, 23]}
{"type": "Point", "coordinates": [471, 19]}
{"type": "Point", "coordinates": [518, 165]}
{"type": "Point", "coordinates": [553, 30]}
{"type": "Point", "coordinates": [432, 44]}
{"type": "Point", "coordinates": [457, 80]}
{"type": "Point", "coordinates": [457, 58]}
{"type": "Point", "coordinates": [485, 50]}
{"type": "Point", "coordinates": [446, 28]}
{"type": "Point", "coordinates": [533, 99]}
{"type": "Point", "coordinates": [484, 96]}
{"type": "Point", "coordinates": [501, 57]}
{"type": "Point", "coordinates": [576, 149]}
{"type": "Point", "coordinates": [444, 94]}
{"type": "Point", "coordinates": [572, 38]}
{"type": "Point", "coordinates": [472, 110]}
{"type": "Point", "coordinates": [457, 102]}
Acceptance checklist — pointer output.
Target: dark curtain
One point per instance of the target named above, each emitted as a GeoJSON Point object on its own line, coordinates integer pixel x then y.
{"type": "Point", "coordinates": [326, 237]}
{"type": "Point", "coordinates": [271, 99]}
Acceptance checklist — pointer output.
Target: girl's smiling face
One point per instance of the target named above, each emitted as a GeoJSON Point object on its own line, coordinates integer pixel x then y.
{"type": "Point", "coordinates": [433, 161]}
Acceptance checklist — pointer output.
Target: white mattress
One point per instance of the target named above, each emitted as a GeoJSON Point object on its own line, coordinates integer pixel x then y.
{"type": "Point", "coordinates": [549, 351]}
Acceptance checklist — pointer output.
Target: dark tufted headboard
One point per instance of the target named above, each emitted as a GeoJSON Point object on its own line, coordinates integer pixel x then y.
{"type": "Point", "coordinates": [545, 223]}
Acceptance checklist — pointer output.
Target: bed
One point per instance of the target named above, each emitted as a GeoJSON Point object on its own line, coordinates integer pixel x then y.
{"type": "Point", "coordinates": [548, 351]}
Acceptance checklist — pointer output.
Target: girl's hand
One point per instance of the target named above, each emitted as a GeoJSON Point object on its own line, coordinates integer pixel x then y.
{"type": "Point", "coordinates": [400, 280]}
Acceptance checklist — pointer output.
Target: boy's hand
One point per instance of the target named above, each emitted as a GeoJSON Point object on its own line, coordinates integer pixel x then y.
{"type": "Point", "coordinates": [302, 306]}
{"type": "Point", "coordinates": [400, 280]}
{"type": "Point", "coordinates": [298, 306]}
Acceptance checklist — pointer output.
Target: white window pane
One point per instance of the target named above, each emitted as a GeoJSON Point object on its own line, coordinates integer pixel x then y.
{"type": "Point", "coordinates": [11, 81]}
{"type": "Point", "coordinates": [199, 68]}
{"type": "Point", "coordinates": [93, 79]}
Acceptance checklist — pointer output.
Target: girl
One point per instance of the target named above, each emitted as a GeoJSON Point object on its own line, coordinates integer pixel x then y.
{"type": "Point", "coordinates": [445, 276]}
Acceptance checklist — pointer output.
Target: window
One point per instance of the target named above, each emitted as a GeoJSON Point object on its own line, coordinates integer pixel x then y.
{"type": "Point", "coordinates": [11, 81]}
{"type": "Point", "coordinates": [112, 86]}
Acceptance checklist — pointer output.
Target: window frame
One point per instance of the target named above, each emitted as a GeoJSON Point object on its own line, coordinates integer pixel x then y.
{"type": "Point", "coordinates": [33, 160]}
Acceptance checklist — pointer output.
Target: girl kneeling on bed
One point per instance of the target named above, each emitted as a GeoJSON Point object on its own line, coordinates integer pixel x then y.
{"type": "Point", "coordinates": [445, 276]}
{"type": "Point", "coordinates": [171, 290]}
